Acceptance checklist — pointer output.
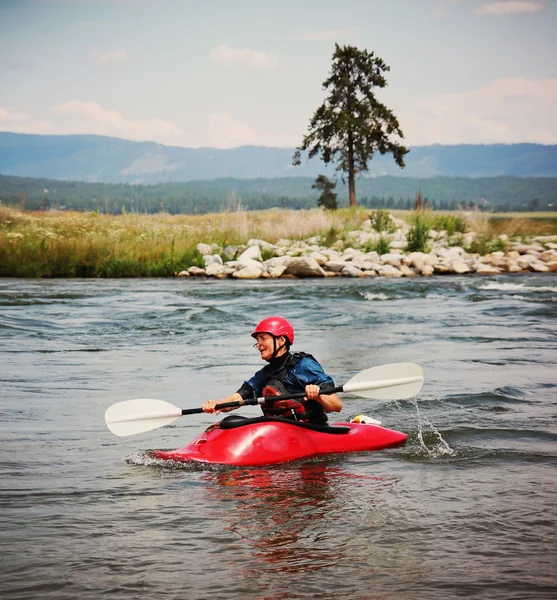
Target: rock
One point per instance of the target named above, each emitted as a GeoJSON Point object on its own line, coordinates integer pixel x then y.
{"type": "Point", "coordinates": [442, 268]}
{"type": "Point", "coordinates": [248, 273]}
{"type": "Point", "coordinates": [459, 266]}
{"type": "Point", "coordinates": [213, 268]}
{"type": "Point", "coordinates": [335, 265]}
{"type": "Point", "coordinates": [427, 270]}
{"type": "Point", "coordinates": [204, 249]}
{"type": "Point", "coordinates": [183, 274]}
{"type": "Point", "coordinates": [390, 271]}
{"type": "Point", "coordinates": [251, 253]}
{"type": "Point", "coordinates": [319, 258]}
{"type": "Point", "coordinates": [539, 267]}
{"type": "Point", "coordinates": [485, 269]}
{"type": "Point", "coordinates": [248, 262]}
{"type": "Point", "coordinates": [513, 268]}
{"type": "Point", "coordinates": [525, 260]}
{"type": "Point", "coordinates": [304, 267]}
{"type": "Point", "coordinates": [276, 271]}
{"type": "Point", "coordinates": [548, 255]}
{"type": "Point", "coordinates": [262, 244]}
{"type": "Point", "coordinates": [362, 262]}
{"type": "Point", "coordinates": [393, 260]}
{"type": "Point", "coordinates": [407, 271]}
{"type": "Point", "coordinates": [210, 259]}
{"type": "Point", "coordinates": [230, 252]}
{"type": "Point", "coordinates": [196, 271]}
{"type": "Point", "coordinates": [370, 273]}
{"type": "Point", "coordinates": [351, 271]}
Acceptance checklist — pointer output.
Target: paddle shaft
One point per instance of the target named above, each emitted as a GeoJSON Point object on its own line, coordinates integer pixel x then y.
{"type": "Point", "coordinates": [262, 400]}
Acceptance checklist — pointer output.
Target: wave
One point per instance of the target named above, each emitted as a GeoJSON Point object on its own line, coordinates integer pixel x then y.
{"type": "Point", "coordinates": [380, 296]}
{"type": "Point", "coordinates": [516, 287]}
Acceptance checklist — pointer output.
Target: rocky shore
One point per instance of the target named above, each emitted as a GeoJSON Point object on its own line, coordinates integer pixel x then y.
{"type": "Point", "coordinates": [349, 257]}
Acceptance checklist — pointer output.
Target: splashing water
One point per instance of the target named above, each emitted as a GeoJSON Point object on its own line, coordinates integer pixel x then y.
{"type": "Point", "coordinates": [439, 449]}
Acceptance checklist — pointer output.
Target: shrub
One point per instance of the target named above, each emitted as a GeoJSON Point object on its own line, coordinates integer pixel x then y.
{"type": "Point", "coordinates": [383, 246]}
{"type": "Point", "coordinates": [418, 235]}
{"type": "Point", "coordinates": [381, 221]}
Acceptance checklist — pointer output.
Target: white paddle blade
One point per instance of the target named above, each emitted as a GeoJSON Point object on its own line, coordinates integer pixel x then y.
{"type": "Point", "coordinates": [387, 382]}
{"type": "Point", "coordinates": [137, 416]}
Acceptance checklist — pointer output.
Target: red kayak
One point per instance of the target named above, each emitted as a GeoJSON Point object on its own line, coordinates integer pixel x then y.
{"type": "Point", "coordinates": [265, 441]}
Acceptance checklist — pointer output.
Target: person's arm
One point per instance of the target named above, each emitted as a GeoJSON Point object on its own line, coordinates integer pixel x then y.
{"type": "Point", "coordinates": [329, 402]}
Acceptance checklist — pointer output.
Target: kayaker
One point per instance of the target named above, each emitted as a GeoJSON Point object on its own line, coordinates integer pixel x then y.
{"type": "Point", "coordinates": [286, 372]}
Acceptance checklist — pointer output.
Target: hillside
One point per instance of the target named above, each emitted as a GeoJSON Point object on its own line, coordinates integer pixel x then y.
{"type": "Point", "coordinates": [103, 159]}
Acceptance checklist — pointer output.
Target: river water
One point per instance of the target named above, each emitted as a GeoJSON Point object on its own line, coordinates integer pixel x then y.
{"type": "Point", "coordinates": [465, 509]}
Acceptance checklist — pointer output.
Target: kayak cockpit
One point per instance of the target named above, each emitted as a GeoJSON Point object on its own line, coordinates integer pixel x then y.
{"type": "Point", "coordinates": [235, 421]}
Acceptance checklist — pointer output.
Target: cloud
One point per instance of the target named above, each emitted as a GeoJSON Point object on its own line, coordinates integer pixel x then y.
{"type": "Point", "coordinates": [327, 34]}
{"type": "Point", "coordinates": [505, 111]}
{"type": "Point", "coordinates": [20, 122]}
{"type": "Point", "coordinates": [119, 55]}
{"type": "Point", "coordinates": [88, 117]}
{"type": "Point", "coordinates": [509, 8]}
{"type": "Point", "coordinates": [226, 132]}
{"type": "Point", "coordinates": [243, 57]}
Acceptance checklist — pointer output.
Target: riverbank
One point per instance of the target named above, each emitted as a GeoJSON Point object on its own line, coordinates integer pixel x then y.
{"type": "Point", "coordinates": [270, 244]}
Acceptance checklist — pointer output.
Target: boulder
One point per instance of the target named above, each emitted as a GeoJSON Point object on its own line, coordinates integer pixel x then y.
{"type": "Point", "coordinates": [210, 259]}
{"type": "Point", "coordinates": [335, 265]}
{"type": "Point", "coordinates": [248, 273]}
{"type": "Point", "coordinates": [459, 266]}
{"type": "Point", "coordinates": [539, 267]}
{"type": "Point", "coordinates": [183, 274]}
{"type": "Point", "coordinates": [251, 253]}
{"type": "Point", "coordinates": [230, 252]}
{"type": "Point", "coordinates": [204, 249]}
{"type": "Point", "coordinates": [486, 269]}
{"type": "Point", "coordinates": [276, 271]}
{"type": "Point", "coordinates": [389, 271]}
{"type": "Point", "coordinates": [351, 271]}
{"type": "Point", "coordinates": [427, 270]}
{"type": "Point", "coordinates": [407, 271]}
{"type": "Point", "coordinates": [213, 269]}
{"type": "Point", "coordinates": [393, 260]}
{"type": "Point", "coordinates": [196, 271]}
{"type": "Point", "coordinates": [304, 266]}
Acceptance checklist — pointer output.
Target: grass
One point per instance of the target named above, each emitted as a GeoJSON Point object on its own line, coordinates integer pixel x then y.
{"type": "Point", "coordinates": [71, 244]}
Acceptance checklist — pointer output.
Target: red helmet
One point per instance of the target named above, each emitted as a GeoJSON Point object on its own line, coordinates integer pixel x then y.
{"type": "Point", "coordinates": [275, 326]}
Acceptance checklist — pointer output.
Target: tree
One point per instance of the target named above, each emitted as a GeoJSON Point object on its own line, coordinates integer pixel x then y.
{"type": "Point", "coordinates": [352, 125]}
{"type": "Point", "coordinates": [327, 199]}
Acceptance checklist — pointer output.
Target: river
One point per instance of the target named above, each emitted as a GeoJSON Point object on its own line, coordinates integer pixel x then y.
{"type": "Point", "coordinates": [465, 509]}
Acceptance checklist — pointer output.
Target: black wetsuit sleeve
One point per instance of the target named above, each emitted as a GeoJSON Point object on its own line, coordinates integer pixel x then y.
{"type": "Point", "coordinates": [246, 391]}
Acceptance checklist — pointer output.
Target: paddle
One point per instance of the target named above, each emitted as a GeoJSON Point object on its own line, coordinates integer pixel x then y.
{"type": "Point", "coordinates": [386, 382]}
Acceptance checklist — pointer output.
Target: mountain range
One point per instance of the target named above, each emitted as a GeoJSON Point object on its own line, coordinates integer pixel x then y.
{"type": "Point", "coordinates": [93, 158]}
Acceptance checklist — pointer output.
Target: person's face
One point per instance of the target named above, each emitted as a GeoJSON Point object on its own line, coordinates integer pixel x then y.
{"type": "Point", "coordinates": [265, 345]}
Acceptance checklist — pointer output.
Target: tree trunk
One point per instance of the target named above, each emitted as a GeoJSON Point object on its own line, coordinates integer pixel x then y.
{"type": "Point", "coordinates": [351, 173]}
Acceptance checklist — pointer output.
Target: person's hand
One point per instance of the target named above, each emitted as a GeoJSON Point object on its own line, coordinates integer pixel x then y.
{"type": "Point", "coordinates": [312, 392]}
{"type": "Point", "coordinates": [209, 406]}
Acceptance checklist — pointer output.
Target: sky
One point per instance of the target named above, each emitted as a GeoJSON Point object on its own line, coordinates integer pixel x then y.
{"type": "Point", "coordinates": [218, 73]}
